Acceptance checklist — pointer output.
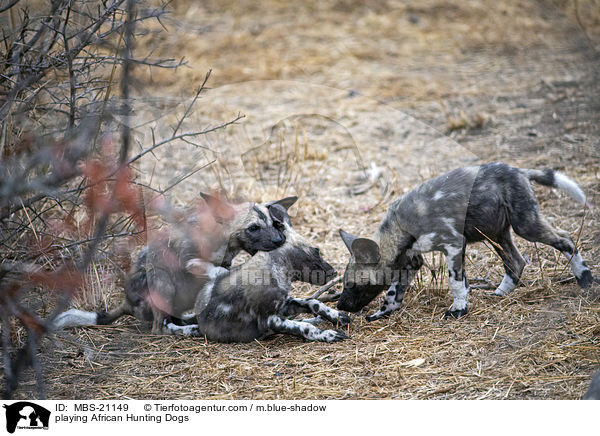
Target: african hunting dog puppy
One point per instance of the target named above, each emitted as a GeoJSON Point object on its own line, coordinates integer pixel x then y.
{"type": "Point", "coordinates": [251, 301]}
{"type": "Point", "coordinates": [160, 284]}
{"type": "Point", "coordinates": [466, 205]}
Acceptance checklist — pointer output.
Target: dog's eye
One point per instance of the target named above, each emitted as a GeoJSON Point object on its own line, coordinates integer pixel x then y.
{"type": "Point", "coordinates": [254, 228]}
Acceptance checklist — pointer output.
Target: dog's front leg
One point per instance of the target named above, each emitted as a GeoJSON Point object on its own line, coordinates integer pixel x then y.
{"type": "Point", "coordinates": [294, 306]}
{"type": "Point", "coordinates": [158, 321]}
{"type": "Point", "coordinates": [395, 294]}
{"type": "Point", "coordinates": [277, 324]}
{"type": "Point", "coordinates": [392, 301]}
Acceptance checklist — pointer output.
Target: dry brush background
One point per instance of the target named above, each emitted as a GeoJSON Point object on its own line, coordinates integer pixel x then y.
{"type": "Point", "coordinates": [329, 91]}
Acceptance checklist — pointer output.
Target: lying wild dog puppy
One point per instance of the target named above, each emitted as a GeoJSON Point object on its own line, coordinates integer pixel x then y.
{"type": "Point", "coordinates": [160, 284]}
{"type": "Point", "coordinates": [251, 300]}
{"type": "Point", "coordinates": [444, 214]}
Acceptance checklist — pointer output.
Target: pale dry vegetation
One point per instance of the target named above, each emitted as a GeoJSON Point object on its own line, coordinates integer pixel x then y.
{"type": "Point", "coordinates": [333, 92]}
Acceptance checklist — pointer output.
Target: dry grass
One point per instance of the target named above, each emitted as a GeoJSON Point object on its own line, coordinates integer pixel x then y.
{"type": "Point", "coordinates": [521, 75]}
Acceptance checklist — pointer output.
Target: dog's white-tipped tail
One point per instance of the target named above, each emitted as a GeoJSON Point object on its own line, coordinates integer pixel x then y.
{"type": "Point", "coordinates": [557, 180]}
{"type": "Point", "coordinates": [74, 318]}
{"type": "Point", "coordinates": [568, 186]}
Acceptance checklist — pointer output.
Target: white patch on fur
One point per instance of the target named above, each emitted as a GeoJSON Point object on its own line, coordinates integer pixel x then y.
{"type": "Point", "coordinates": [208, 268]}
{"type": "Point", "coordinates": [216, 271]}
{"type": "Point", "coordinates": [188, 317]}
{"type": "Point", "coordinates": [421, 208]}
{"type": "Point", "coordinates": [204, 296]}
{"type": "Point", "coordinates": [424, 242]}
{"type": "Point", "coordinates": [460, 293]}
{"type": "Point", "coordinates": [569, 186]}
{"type": "Point", "coordinates": [321, 307]}
{"type": "Point", "coordinates": [193, 263]}
{"type": "Point", "coordinates": [451, 252]}
{"type": "Point", "coordinates": [182, 330]}
{"type": "Point", "coordinates": [506, 286]}
{"type": "Point", "coordinates": [438, 195]}
{"type": "Point", "coordinates": [577, 265]}
{"type": "Point", "coordinates": [451, 224]}
{"type": "Point", "coordinates": [225, 309]}
{"type": "Point", "coordinates": [74, 318]}
{"type": "Point", "coordinates": [314, 321]}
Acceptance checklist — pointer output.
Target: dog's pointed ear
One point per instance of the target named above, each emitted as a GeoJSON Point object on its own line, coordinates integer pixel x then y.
{"type": "Point", "coordinates": [286, 202]}
{"type": "Point", "coordinates": [221, 209]}
{"type": "Point", "coordinates": [348, 239]}
{"type": "Point", "coordinates": [365, 250]}
{"type": "Point", "coordinates": [279, 213]}
{"type": "Point", "coordinates": [211, 200]}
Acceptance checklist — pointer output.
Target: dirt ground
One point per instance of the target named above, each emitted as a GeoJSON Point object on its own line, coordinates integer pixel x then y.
{"type": "Point", "coordinates": [330, 89]}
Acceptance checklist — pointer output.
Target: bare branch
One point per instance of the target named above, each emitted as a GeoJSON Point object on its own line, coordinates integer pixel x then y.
{"type": "Point", "coordinates": [185, 135]}
{"type": "Point", "coordinates": [327, 287]}
{"type": "Point", "coordinates": [8, 6]}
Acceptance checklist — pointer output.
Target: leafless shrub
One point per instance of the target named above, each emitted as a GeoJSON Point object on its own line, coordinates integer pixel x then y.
{"type": "Point", "coordinates": [67, 191]}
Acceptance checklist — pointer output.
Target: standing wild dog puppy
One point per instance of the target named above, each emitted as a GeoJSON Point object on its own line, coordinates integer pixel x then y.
{"type": "Point", "coordinates": [251, 300]}
{"type": "Point", "coordinates": [160, 284]}
{"type": "Point", "coordinates": [444, 214]}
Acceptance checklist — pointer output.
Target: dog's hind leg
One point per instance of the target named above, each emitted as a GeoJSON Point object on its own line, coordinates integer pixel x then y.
{"type": "Point", "coordinates": [459, 285]}
{"type": "Point", "coordinates": [277, 324]}
{"type": "Point", "coordinates": [536, 229]}
{"type": "Point", "coordinates": [513, 263]}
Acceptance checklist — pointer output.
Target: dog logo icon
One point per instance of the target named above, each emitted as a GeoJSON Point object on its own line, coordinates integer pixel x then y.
{"type": "Point", "coordinates": [26, 415]}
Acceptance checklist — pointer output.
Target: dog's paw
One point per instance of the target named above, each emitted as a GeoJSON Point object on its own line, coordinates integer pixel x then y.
{"type": "Point", "coordinates": [456, 314]}
{"type": "Point", "coordinates": [376, 316]}
{"type": "Point", "coordinates": [500, 293]}
{"type": "Point", "coordinates": [343, 320]}
{"type": "Point", "coordinates": [333, 336]}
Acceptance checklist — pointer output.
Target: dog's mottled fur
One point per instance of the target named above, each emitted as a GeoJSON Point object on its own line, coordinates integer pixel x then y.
{"type": "Point", "coordinates": [251, 300]}
{"type": "Point", "coordinates": [161, 285]}
{"type": "Point", "coordinates": [444, 214]}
